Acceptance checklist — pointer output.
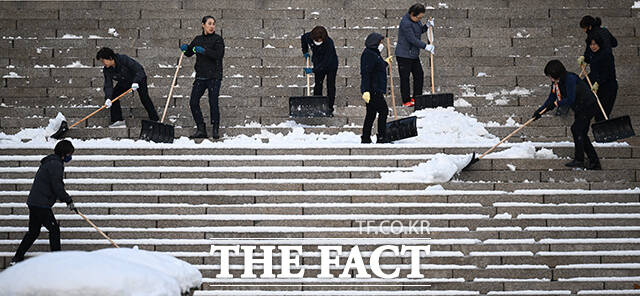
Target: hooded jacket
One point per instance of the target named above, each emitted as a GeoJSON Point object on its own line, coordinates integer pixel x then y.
{"type": "Point", "coordinates": [608, 39]}
{"type": "Point", "coordinates": [574, 93]}
{"type": "Point", "coordinates": [208, 64]}
{"type": "Point", "coordinates": [324, 56]}
{"type": "Point", "coordinates": [48, 186]}
{"type": "Point", "coordinates": [373, 69]}
{"type": "Point", "coordinates": [126, 69]}
{"type": "Point", "coordinates": [409, 34]}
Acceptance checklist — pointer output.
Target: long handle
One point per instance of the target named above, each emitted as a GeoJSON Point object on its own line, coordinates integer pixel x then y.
{"type": "Point", "coordinates": [510, 135]}
{"type": "Point", "coordinates": [594, 93]}
{"type": "Point", "coordinates": [98, 229]}
{"type": "Point", "coordinates": [308, 80]}
{"type": "Point", "coordinates": [430, 36]}
{"type": "Point", "coordinates": [173, 83]}
{"type": "Point", "coordinates": [105, 106]}
{"type": "Point", "coordinates": [393, 95]}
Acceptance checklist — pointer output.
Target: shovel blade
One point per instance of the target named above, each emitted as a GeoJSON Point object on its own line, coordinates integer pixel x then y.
{"type": "Point", "coordinates": [433, 101]}
{"type": "Point", "coordinates": [309, 106]}
{"type": "Point", "coordinates": [473, 160]}
{"type": "Point", "coordinates": [401, 129]}
{"type": "Point", "coordinates": [613, 129]}
{"type": "Point", "coordinates": [156, 132]}
{"type": "Point", "coordinates": [59, 134]}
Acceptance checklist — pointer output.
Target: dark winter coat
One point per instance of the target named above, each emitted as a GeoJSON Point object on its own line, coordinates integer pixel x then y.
{"type": "Point", "coordinates": [575, 93]}
{"type": "Point", "coordinates": [324, 56]}
{"type": "Point", "coordinates": [373, 69]}
{"type": "Point", "coordinates": [126, 69]}
{"type": "Point", "coordinates": [48, 185]}
{"type": "Point", "coordinates": [603, 68]}
{"type": "Point", "coordinates": [209, 64]}
{"type": "Point", "coordinates": [608, 39]}
{"type": "Point", "coordinates": [409, 34]}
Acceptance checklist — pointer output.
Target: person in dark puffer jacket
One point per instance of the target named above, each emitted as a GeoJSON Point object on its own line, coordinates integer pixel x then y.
{"type": "Point", "coordinates": [209, 51]}
{"type": "Point", "coordinates": [325, 61]}
{"type": "Point", "coordinates": [46, 189]}
{"type": "Point", "coordinates": [373, 86]}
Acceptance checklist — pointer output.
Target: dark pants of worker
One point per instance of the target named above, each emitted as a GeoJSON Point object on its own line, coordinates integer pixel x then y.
{"type": "Point", "coordinates": [331, 86]}
{"type": "Point", "coordinates": [580, 131]}
{"type": "Point", "coordinates": [607, 93]}
{"type": "Point", "coordinates": [213, 88]}
{"type": "Point", "coordinates": [377, 105]}
{"type": "Point", "coordinates": [143, 93]}
{"type": "Point", "coordinates": [39, 217]}
{"type": "Point", "coordinates": [408, 67]}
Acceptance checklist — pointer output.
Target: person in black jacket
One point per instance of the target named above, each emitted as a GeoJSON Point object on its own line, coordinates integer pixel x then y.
{"type": "Point", "coordinates": [568, 89]}
{"type": "Point", "coordinates": [46, 189]}
{"type": "Point", "coordinates": [325, 61]}
{"type": "Point", "coordinates": [129, 74]}
{"type": "Point", "coordinates": [592, 27]}
{"type": "Point", "coordinates": [603, 75]}
{"type": "Point", "coordinates": [209, 51]}
{"type": "Point", "coordinates": [373, 86]}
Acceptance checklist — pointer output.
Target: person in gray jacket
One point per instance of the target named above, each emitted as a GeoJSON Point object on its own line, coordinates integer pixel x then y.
{"type": "Point", "coordinates": [408, 52]}
{"type": "Point", "coordinates": [46, 189]}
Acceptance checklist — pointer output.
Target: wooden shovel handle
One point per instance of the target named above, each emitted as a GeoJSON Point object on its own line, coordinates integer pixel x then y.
{"type": "Point", "coordinates": [104, 106]}
{"type": "Point", "coordinates": [594, 93]}
{"type": "Point", "coordinates": [510, 135]}
{"type": "Point", "coordinates": [308, 79]}
{"type": "Point", "coordinates": [430, 36]}
{"type": "Point", "coordinates": [173, 83]}
{"type": "Point", "coordinates": [393, 95]}
{"type": "Point", "coordinates": [98, 229]}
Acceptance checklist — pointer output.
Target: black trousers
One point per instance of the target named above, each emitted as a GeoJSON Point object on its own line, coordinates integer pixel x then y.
{"type": "Point", "coordinates": [199, 86]}
{"type": "Point", "coordinates": [580, 132]}
{"type": "Point", "coordinates": [143, 93]}
{"type": "Point", "coordinates": [607, 94]}
{"type": "Point", "coordinates": [405, 68]}
{"type": "Point", "coordinates": [331, 85]}
{"type": "Point", "coordinates": [377, 105]}
{"type": "Point", "coordinates": [39, 217]}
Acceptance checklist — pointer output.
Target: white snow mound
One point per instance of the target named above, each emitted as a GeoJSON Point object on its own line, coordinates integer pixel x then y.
{"type": "Point", "coordinates": [441, 168]}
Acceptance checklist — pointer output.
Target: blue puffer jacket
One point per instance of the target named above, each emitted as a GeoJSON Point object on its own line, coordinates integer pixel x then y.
{"type": "Point", "coordinates": [409, 33]}
{"type": "Point", "coordinates": [373, 69]}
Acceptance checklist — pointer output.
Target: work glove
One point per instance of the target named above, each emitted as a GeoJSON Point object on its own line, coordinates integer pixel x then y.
{"type": "Point", "coordinates": [581, 62]}
{"type": "Point", "coordinates": [430, 22]}
{"type": "Point", "coordinates": [306, 55]}
{"type": "Point", "coordinates": [430, 48]}
{"type": "Point", "coordinates": [108, 103]}
{"type": "Point", "coordinates": [308, 71]}
{"type": "Point", "coordinates": [550, 106]}
{"type": "Point", "coordinates": [536, 115]}
{"type": "Point", "coordinates": [72, 207]}
{"type": "Point", "coordinates": [135, 86]}
{"type": "Point", "coordinates": [366, 97]}
{"type": "Point", "coordinates": [184, 47]}
{"type": "Point", "coordinates": [595, 87]}
{"type": "Point", "coordinates": [198, 49]}
{"type": "Point", "coordinates": [389, 60]}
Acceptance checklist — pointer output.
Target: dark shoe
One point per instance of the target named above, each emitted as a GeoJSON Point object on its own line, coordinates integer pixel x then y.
{"type": "Point", "coordinates": [201, 132]}
{"type": "Point", "coordinates": [594, 165]}
{"type": "Point", "coordinates": [365, 140]}
{"type": "Point", "coordinates": [575, 164]}
{"type": "Point", "coordinates": [383, 140]}
{"type": "Point", "coordinates": [214, 130]}
{"type": "Point", "coordinates": [15, 261]}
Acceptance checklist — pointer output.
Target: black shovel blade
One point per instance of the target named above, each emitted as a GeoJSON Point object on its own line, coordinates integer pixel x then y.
{"type": "Point", "coordinates": [309, 106]}
{"type": "Point", "coordinates": [472, 161]}
{"type": "Point", "coordinates": [613, 129]}
{"type": "Point", "coordinates": [61, 130]}
{"type": "Point", "coordinates": [156, 132]}
{"type": "Point", "coordinates": [401, 129]}
{"type": "Point", "coordinates": [433, 101]}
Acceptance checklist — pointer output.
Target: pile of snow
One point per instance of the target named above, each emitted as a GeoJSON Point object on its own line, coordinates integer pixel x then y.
{"type": "Point", "coordinates": [461, 103]}
{"type": "Point", "coordinates": [104, 272]}
{"type": "Point", "coordinates": [525, 150]}
{"type": "Point", "coordinates": [441, 168]}
{"type": "Point", "coordinates": [636, 4]}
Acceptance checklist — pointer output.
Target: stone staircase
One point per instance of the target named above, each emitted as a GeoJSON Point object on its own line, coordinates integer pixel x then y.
{"type": "Point", "coordinates": [540, 229]}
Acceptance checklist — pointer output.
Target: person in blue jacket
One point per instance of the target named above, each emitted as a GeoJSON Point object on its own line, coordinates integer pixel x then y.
{"type": "Point", "coordinates": [325, 61]}
{"type": "Point", "coordinates": [567, 89]}
{"type": "Point", "coordinates": [408, 52]}
{"type": "Point", "coordinates": [47, 188]}
{"type": "Point", "coordinates": [603, 75]}
{"type": "Point", "coordinates": [373, 86]}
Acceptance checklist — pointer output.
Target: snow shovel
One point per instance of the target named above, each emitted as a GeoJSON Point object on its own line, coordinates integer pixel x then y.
{"type": "Point", "coordinates": [433, 100]}
{"type": "Point", "coordinates": [158, 131]}
{"type": "Point", "coordinates": [475, 159]}
{"type": "Point", "coordinates": [63, 125]}
{"type": "Point", "coordinates": [613, 129]}
{"type": "Point", "coordinates": [398, 129]}
{"type": "Point", "coordinates": [98, 229]}
{"type": "Point", "coordinates": [309, 106]}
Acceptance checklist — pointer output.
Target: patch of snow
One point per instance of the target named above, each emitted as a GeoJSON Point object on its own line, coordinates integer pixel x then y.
{"type": "Point", "coordinates": [523, 150]}
{"type": "Point", "coordinates": [269, 46]}
{"type": "Point", "coordinates": [12, 75]}
{"type": "Point", "coordinates": [482, 74]}
{"type": "Point", "coordinates": [113, 32]}
{"type": "Point", "coordinates": [511, 167]}
{"type": "Point", "coordinates": [461, 103]}
{"type": "Point", "coordinates": [70, 36]}
{"type": "Point", "coordinates": [636, 4]}
{"type": "Point", "coordinates": [503, 216]}
{"type": "Point", "coordinates": [76, 64]}
{"type": "Point", "coordinates": [441, 168]}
